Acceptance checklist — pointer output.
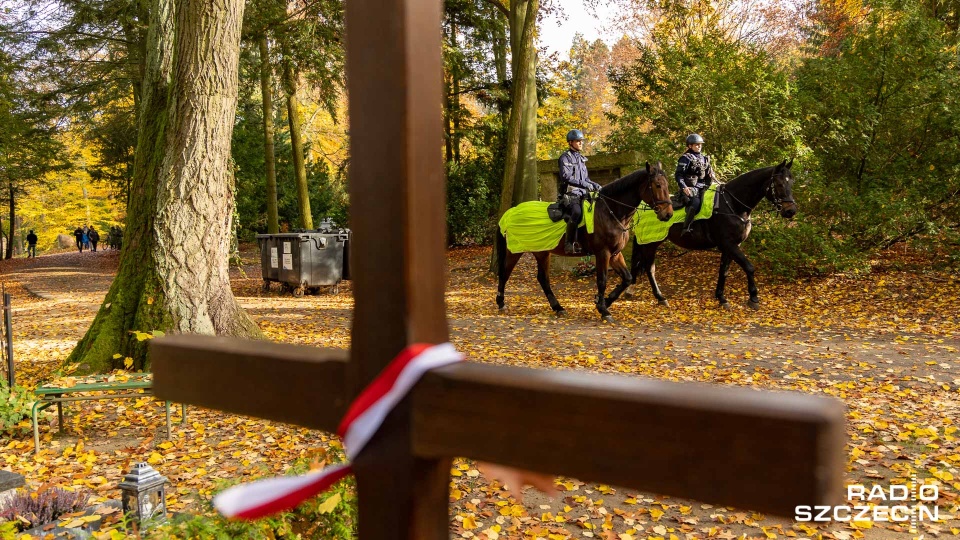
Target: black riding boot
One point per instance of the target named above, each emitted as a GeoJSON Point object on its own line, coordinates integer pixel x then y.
{"type": "Point", "coordinates": [571, 247]}
{"type": "Point", "coordinates": [688, 222]}
{"type": "Point", "coordinates": [693, 208]}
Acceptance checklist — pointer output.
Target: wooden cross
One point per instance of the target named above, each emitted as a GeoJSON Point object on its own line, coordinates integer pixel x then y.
{"type": "Point", "coordinates": [739, 447]}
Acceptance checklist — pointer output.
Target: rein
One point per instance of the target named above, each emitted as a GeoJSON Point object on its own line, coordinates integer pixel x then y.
{"type": "Point", "coordinates": [619, 221]}
{"type": "Point", "coordinates": [769, 194]}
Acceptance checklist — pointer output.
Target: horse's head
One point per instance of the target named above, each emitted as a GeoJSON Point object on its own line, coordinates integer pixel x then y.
{"type": "Point", "coordinates": [657, 193]}
{"type": "Point", "coordinates": [780, 191]}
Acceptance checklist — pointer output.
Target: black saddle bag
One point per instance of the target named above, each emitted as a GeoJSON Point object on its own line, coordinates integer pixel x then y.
{"type": "Point", "coordinates": [555, 212]}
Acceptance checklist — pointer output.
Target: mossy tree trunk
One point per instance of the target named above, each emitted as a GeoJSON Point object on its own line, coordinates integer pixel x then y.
{"type": "Point", "coordinates": [173, 273]}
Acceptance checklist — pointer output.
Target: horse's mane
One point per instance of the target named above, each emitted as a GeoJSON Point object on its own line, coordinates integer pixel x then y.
{"type": "Point", "coordinates": [765, 172]}
{"type": "Point", "coordinates": [625, 184]}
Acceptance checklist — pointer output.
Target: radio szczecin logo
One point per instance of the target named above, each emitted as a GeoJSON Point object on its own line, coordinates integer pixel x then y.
{"type": "Point", "coordinates": [895, 503]}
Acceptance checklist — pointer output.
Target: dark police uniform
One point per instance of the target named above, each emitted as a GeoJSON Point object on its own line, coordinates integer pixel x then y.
{"type": "Point", "coordinates": [693, 171]}
{"type": "Point", "coordinates": [572, 185]}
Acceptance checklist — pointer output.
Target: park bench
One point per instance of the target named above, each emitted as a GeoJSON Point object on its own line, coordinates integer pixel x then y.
{"type": "Point", "coordinates": [96, 387]}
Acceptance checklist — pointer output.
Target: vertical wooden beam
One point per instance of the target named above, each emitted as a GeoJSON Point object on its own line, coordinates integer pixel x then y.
{"type": "Point", "coordinates": [398, 219]}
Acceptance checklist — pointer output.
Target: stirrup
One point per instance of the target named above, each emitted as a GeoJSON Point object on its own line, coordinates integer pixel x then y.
{"type": "Point", "coordinates": [572, 248]}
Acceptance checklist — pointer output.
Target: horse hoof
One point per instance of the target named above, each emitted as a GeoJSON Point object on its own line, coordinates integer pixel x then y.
{"type": "Point", "coordinates": [726, 305]}
{"type": "Point", "coordinates": [753, 304]}
{"type": "Point", "coordinates": [663, 303]}
{"type": "Point", "coordinates": [561, 312]}
{"type": "Point", "coordinates": [608, 319]}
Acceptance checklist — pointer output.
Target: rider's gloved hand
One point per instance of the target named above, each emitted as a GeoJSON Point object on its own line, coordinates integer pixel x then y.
{"type": "Point", "coordinates": [594, 186]}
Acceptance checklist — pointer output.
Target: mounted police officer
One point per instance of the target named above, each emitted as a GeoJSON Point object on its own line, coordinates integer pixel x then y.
{"type": "Point", "coordinates": [694, 175]}
{"type": "Point", "coordinates": [573, 184]}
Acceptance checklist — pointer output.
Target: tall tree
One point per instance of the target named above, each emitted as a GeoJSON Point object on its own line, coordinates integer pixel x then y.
{"type": "Point", "coordinates": [270, 158]}
{"type": "Point", "coordinates": [29, 143]}
{"type": "Point", "coordinates": [290, 85]}
{"type": "Point", "coordinates": [173, 274]}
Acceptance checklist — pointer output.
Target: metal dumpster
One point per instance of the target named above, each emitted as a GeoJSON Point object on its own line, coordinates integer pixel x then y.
{"type": "Point", "coordinates": [269, 259]}
{"type": "Point", "coordinates": [310, 259]}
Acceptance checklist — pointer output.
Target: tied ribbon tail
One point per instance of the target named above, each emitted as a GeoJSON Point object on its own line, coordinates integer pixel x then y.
{"type": "Point", "coordinates": [361, 422]}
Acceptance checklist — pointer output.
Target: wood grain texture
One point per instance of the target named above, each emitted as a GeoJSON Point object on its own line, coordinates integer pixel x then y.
{"type": "Point", "coordinates": [750, 449]}
{"type": "Point", "coordinates": [286, 383]}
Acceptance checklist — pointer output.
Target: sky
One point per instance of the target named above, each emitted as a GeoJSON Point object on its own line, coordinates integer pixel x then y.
{"type": "Point", "coordinates": [557, 34]}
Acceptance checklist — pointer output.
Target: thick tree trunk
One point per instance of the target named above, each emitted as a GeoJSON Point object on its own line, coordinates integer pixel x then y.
{"type": "Point", "coordinates": [266, 92]}
{"type": "Point", "coordinates": [520, 166]}
{"type": "Point", "coordinates": [523, 38]}
{"type": "Point", "coordinates": [173, 272]}
{"type": "Point", "coordinates": [296, 141]}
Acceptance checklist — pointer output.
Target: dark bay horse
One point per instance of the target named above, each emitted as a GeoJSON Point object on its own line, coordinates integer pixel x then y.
{"type": "Point", "coordinates": [613, 217]}
{"type": "Point", "coordinates": [727, 228]}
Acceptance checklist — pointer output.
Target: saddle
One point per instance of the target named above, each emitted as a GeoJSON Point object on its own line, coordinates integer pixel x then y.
{"type": "Point", "coordinates": [560, 209]}
{"type": "Point", "coordinates": [678, 201]}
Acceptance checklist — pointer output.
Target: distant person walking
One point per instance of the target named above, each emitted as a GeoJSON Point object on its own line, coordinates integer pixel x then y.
{"type": "Point", "coordinates": [31, 244]}
{"type": "Point", "coordinates": [94, 238]}
{"type": "Point", "coordinates": [78, 234]}
{"type": "Point", "coordinates": [86, 236]}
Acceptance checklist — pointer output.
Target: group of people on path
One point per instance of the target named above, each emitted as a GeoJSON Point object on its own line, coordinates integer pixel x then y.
{"type": "Point", "coordinates": [694, 175]}
{"type": "Point", "coordinates": [87, 237]}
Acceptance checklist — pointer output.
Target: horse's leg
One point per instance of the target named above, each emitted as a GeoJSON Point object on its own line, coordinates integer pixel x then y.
{"type": "Point", "coordinates": [643, 262]}
{"type": "Point", "coordinates": [509, 262]}
{"type": "Point", "coordinates": [740, 258]}
{"type": "Point", "coordinates": [543, 276]}
{"type": "Point", "coordinates": [620, 265]}
{"type": "Point", "coordinates": [725, 261]}
{"type": "Point", "coordinates": [603, 260]}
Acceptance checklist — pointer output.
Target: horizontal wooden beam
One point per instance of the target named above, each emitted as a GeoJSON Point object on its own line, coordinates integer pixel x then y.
{"type": "Point", "coordinates": [275, 381]}
{"type": "Point", "coordinates": [750, 449]}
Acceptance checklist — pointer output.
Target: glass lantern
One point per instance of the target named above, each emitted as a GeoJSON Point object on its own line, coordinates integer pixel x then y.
{"type": "Point", "coordinates": [143, 494]}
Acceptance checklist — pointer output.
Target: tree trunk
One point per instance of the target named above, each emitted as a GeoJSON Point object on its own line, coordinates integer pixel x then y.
{"type": "Point", "coordinates": [520, 166]}
{"type": "Point", "coordinates": [523, 38]}
{"type": "Point", "coordinates": [12, 237]}
{"type": "Point", "coordinates": [173, 273]}
{"type": "Point", "coordinates": [455, 103]}
{"type": "Point", "coordinates": [266, 91]}
{"type": "Point", "coordinates": [296, 142]}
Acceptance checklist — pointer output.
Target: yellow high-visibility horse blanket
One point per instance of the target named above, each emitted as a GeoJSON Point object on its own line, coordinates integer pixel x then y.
{"type": "Point", "coordinates": [528, 227]}
{"type": "Point", "coordinates": [648, 229]}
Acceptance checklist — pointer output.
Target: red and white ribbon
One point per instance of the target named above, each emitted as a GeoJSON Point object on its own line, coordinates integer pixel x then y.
{"type": "Point", "coordinates": [363, 419]}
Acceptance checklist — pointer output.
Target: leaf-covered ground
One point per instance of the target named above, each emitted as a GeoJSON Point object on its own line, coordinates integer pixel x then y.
{"type": "Point", "coordinates": [885, 343]}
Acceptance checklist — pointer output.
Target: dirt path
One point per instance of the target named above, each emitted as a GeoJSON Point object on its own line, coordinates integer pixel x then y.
{"type": "Point", "coordinates": [885, 343]}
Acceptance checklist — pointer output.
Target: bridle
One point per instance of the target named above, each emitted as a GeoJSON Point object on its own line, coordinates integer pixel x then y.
{"type": "Point", "coordinates": [633, 209]}
{"type": "Point", "coordinates": [771, 193]}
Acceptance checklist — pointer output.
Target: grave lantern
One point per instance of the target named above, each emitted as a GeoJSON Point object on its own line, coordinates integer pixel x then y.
{"type": "Point", "coordinates": [143, 494]}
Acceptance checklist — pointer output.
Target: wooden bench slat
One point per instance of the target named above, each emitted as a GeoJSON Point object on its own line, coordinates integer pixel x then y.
{"type": "Point", "coordinates": [94, 387]}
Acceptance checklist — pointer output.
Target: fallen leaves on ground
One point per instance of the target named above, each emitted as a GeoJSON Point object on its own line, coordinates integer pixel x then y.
{"type": "Point", "coordinates": [885, 343]}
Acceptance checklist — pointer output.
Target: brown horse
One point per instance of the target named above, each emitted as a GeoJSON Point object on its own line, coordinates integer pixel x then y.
{"type": "Point", "coordinates": [613, 216]}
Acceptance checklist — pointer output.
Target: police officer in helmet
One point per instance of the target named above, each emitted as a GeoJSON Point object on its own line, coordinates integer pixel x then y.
{"type": "Point", "coordinates": [573, 184]}
{"type": "Point", "coordinates": [694, 175]}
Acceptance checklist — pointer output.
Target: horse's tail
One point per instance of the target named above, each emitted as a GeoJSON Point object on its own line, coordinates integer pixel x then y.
{"type": "Point", "coordinates": [501, 251]}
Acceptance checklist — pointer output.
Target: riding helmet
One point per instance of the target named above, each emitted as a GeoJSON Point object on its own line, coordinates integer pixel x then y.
{"type": "Point", "coordinates": [575, 135]}
{"type": "Point", "coordinates": [694, 138]}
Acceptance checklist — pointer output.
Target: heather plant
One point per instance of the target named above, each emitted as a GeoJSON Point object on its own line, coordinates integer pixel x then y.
{"type": "Point", "coordinates": [30, 509]}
